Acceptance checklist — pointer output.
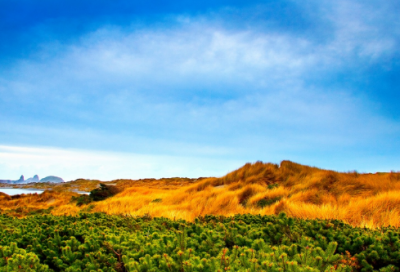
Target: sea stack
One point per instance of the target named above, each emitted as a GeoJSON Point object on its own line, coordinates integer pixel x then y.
{"type": "Point", "coordinates": [34, 179]}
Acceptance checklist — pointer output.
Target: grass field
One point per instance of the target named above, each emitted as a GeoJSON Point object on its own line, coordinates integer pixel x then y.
{"type": "Point", "coordinates": [370, 200]}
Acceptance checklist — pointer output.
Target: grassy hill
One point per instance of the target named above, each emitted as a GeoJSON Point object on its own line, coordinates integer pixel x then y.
{"type": "Point", "coordinates": [370, 200]}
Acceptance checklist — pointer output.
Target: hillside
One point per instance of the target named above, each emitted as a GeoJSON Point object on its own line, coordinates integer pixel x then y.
{"type": "Point", "coordinates": [370, 200]}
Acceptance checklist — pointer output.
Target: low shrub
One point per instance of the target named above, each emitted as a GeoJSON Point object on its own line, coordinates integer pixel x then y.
{"type": "Point", "coordinates": [103, 192]}
{"type": "Point", "coordinates": [82, 200]}
{"type": "Point", "coordinates": [273, 185]}
{"type": "Point", "coordinates": [100, 242]}
{"type": "Point", "coordinates": [267, 201]}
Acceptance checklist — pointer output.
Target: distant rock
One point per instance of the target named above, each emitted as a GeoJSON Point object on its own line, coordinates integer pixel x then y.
{"type": "Point", "coordinates": [8, 181]}
{"type": "Point", "coordinates": [52, 179]}
{"type": "Point", "coordinates": [34, 179]}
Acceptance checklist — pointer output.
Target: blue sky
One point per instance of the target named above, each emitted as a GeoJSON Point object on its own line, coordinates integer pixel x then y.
{"type": "Point", "coordinates": [134, 89]}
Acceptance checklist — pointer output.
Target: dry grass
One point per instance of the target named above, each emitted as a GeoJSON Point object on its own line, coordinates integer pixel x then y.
{"type": "Point", "coordinates": [371, 200]}
{"type": "Point", "coordinates": [26, 204]}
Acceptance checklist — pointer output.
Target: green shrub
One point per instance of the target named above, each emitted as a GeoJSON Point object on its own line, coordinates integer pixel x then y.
{"type": "Point", "coordinates": [99, 242]}
{"type": "Point", "coordinates": [267, 201]}
{"type": "Point", "coordinates": [81, 200]}
{"type": "Point", "coordinates": [273, 185]}
{"type": "Point", "coordinates": [103, 192]}
{"type": "Point", "coordinates": [13, 258]}
{"type": "Point", "coordinates": [41, 211]}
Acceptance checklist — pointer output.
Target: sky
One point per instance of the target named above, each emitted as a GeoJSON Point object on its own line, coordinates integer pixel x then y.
{"type": "Point", "coordinates": [151, 89]}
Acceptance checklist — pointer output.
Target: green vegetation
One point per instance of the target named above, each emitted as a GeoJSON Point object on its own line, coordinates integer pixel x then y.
{"type": "Point", "coordinates": [272, 186]}
{"type": "Point", "coordinates": [103, 192]}
{"type": "Point", "coordinates": [268, 201]}
{"type": "Point", "coordinates": [81, 200]}
{"type": "Point", "coordinates": [99, 242]}
{"type": "Point", "coordinates": [98, 194]}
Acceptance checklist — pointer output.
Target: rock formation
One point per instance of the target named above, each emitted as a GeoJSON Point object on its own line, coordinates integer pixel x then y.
{"type": "Point", "coordinates": [52, 179]}
{"type": "Point", "coordinates": [35, 178]}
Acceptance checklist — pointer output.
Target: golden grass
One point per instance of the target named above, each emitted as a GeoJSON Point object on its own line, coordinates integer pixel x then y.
{"type": "Point", "coordinates": [24, 204]}
{"type": "Point", "coordinates": [67, 209]}
{"type": "Point", "coordinates": [370, 200]}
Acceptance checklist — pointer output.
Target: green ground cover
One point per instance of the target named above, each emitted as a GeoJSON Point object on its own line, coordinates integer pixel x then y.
{"type": "Point", "coordinates": [99, 242]}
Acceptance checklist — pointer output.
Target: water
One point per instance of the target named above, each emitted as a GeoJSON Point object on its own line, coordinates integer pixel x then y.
{"type": "Point", "coordinates": [17, 191]}
{"type": "Point", "coordinates": [81, 192]}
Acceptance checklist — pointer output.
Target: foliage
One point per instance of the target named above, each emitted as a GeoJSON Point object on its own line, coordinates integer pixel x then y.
{"type": "Point", "coordinates": [41, 211]}
{"type": "Point", "coordinates": [13, 258]}
{"type": "Point", "coordinates": [267, 202]}
{"type": "Point", "coordinates": [81, 200]}
{"type": "Point", "coordinates": [273, 185]}
{"type": "Point", "coordinates": [103, 192]}
{"type": "Point", "coordinates": [99, 242]}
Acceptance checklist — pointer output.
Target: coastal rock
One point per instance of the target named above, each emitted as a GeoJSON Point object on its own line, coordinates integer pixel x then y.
{"type": "Point", "coordinates": [52, 179]}
{"type": "Point", "coordinates": [8, 181]}
{"type": "Point", "coordinates": [34, 179]}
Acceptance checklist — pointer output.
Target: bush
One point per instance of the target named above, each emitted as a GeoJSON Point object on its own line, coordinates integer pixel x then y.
{"type": "Point", "coordinates": [273, 185]}
{"type": "Point", "coordinates": [99, 242]}
{"type": "Point", "coordinates": [82, 200]}
{"type": "Point", "coordinates": [103, 192]}
{"type": "Point", "coordinates": [267, 201]}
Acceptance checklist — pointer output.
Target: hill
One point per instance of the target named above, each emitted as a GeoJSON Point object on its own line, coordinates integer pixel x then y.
{"type": "Point", "coordinates": [301, 191]}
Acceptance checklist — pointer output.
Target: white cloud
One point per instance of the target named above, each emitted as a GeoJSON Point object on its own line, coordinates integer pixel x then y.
{"type": "Point", "coordinates": [365, 29]}
{"type": "Point", "coordinates": [184, 76]}
{"type": "Point", "coordinates": [222, 92]}
{"type": "Point", "coordinates": [142, 75]}
{"type": "Point", "coordinates": [71, 164]}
